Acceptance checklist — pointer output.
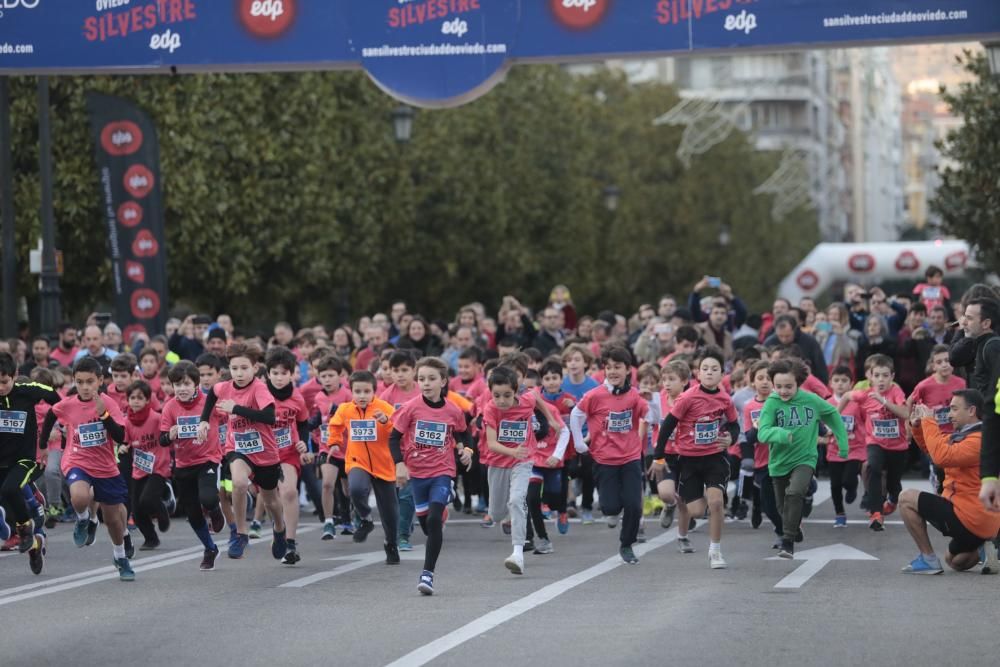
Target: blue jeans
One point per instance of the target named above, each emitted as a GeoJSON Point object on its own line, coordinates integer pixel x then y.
{"type": "Point", "coordinates": [406, 511]}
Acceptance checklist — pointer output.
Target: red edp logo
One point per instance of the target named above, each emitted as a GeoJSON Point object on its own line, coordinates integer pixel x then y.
{"type": "Point", "coordinates": [122, 137]}
{"type": "Point", "coordinates": [135, 271]}
{"type": "Point", "coordinates": [138, 181]}
{"type": "Point", "coordinates": [267, 19]}
{"type": "Point", "coordinates": [145, 304]}
{"type": "Point", "coordinates": [579, 14]}
{"type": "Point", "coordinates": [807, 280]}
{"type": "Point", "coordinates": [129, 214]}
{"type": "Point", "coordinates": [861, 262]}
{"type": "Point", "coordinates": [907, 261]}
{"type": "Point", "coordinates": [145, 244]}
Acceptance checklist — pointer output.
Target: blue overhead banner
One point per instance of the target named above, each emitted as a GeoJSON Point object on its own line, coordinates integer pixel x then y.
{"type": "Point", "coordinates": [446, 52]}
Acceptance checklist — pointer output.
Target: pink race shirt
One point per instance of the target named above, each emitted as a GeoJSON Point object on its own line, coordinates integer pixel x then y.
{"type": "Point", "coordinates": [428, 441]}
{"type": "Point", "coordinates": [186, 417]}
{"type": "Point", "coordinates": [613, 425]}
{"type": "Point", "coordinates": [547, 447]}
{"type": "Point", "coordinates": [288, 413]}
{"type": "Point", "coordinates": [814, 385]}
{"type": "Point", "coordinates": [465, 389]}
{"type": "Point", "coordinates": [514, 427]}
{"type": "Point", "coordinates": [751, 413]}
{"type": "Point", "coordinates": [666, 405]}
{"type": "Point", "coordinates": [88, 445]}
{"type": "Point", "coordinates": [327, 404]}
{"type": "Point", "coordinates": [937, 397]}
{"type": "Point", "coordinates": [882, 427]}
{"type": "Point", "coordinates": [701, 417]}
{"type": "Point", "coordinates": [253, 440]}
{"type": "Point", "coordinates": [148, 458]}
{"type": "Point", "coordinates": [854, 424]}
{"type": "Point", "coordinates": [397, 398]}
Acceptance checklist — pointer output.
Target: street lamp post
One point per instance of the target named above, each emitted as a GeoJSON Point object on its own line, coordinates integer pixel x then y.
{"type": "Point", "coordinates": [7, 211]}
{"type": "Point", "coordinates": [51, 309]}
{"type": "Point", "coordinates": [402, 123]}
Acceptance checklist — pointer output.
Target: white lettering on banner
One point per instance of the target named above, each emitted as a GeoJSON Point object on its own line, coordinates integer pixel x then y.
{"type": "Point", "coordinates": [745, 22]}
{"type": "Point", "coordinates": [271, 9]}
{"type": "Point", "coordinates": [169, 41]}
{"type": "Point", "coordinates": [101, 5]}
{"type": "Point", "coordinates": [456, 27]}
{"type": "Point", "coordinates": [585, 5]}
{"type": "Point", "coordinates": [13, 421]}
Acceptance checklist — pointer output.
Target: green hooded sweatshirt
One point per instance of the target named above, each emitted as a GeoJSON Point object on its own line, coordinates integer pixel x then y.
{"type": "Point", "coordinates": [791, 430]}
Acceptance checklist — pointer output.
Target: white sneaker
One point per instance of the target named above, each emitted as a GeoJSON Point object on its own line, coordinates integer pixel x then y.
{"type": "Point", "coordinates": [515, 563]}
{"type": "Point", "coordinates": [612, 521]}
{"type": "Point", "coordinates": [991, 564]}
{"type": "Point", "coordinates": [716, 561]}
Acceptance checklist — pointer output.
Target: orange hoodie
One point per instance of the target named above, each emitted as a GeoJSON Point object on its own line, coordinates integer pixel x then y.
{"type": "Point", "coordinates": [367, 440]}
{"type": "Point", "coordinates": [960, 460]}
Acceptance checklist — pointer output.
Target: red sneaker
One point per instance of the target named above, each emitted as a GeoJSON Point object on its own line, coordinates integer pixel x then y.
{"type": "Point", "coordinates": [888, 508]}
{"type": "Point", "coordinates": [875, 522]}
{"type": "Point", "coordinates": [12, 543]}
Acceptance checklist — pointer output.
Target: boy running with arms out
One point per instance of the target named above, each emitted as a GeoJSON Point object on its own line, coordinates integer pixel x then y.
{"type": "Point", "coordinates": [845, 473]}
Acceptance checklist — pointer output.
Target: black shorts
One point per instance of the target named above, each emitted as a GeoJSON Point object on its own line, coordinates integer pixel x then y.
{"type": "Point", "coordinates": [698, 473]}
{"type": "Point", "coordinates": [940, 513]}
{"type": "Point", "coordinates": [266, 477]}
{"type": "Point", "coordinates": [671, 471]}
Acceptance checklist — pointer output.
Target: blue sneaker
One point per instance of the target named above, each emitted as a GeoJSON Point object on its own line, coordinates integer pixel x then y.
{"type": "Point", "coordinates": [125, 571]}
{"type": "Point", "coordinates": [924, 565]}
{"type": "Point", "coordinates": [80, 531]}
{"type": "Point", "coordinates": [404, 544]}
{"type": "Point", "coordinates": [279, 545]}
{"type": "Point", "coordinates": [254, 533]}
{"type": "Point", "coordinates": [238, 546]}
{"type": "Point", "coordinates": [4, 528]}
{"type": "Point", "coordinates": [232, 533]}
{"type": "Point", "coordinates": [426, 585]}
{"type": "Point", "coordinates": [562, 523]}
{"type": "Point", "coordinates": [487, 522]}
{"type": "Point", "coordinates": [840, 521]}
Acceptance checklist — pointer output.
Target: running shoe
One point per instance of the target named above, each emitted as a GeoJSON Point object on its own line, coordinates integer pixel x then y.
{"type": "Point", "coordinates": [546, 512]}
{"type": "Point", "coordinates": [291, 557]}
{"type": "Point", "coordinates": [487, 522]}
{"type": "Point", "coordinates": [279, 544]}
{"type": "Point", "coordinates": [217, 520]}
{"type": "Point", "coordinates": [391, 554]}
{"type": "Point", "coordinates": [505, 527]}
{"type": "Point", "coordinates": [25, 534]}
{"type": "Point", "coordinates": [924, 565]}
{"type": "Point", "coordinates": [543, 546]}
{"type": "Point", "coordinates": [208, 560]}
{"type": "Point", "coordinates": [426, 584]}
{"type": "Point", "coordinates": [329, 531]}
{"type": "Point", "coordinates": [562, 523]}
{"type": "Point", "coordinates": [667, 516]}
{"type": "Point", "coordinates": [80, 532]}
{"type": "Point", "coordinates": [888, 507]}
{"type": "Point", "coordinates": [347, 528]}
{"type": "Point", "coordinates": [91, 532]}
{"type": "Point", "coordinates": [163, 522]}
{"type": "Point", "coordinates": [742, 510]}
{"type": "Point", "coordinates": [756, 516]}
{"type": "Point", "coordinates": [529, 545]}
{"type": "Point", "coordinates": [684, 545]}
{"type": "Point", "coordinates": [515, 563]}
{"type": "Point", "coordinates": [991, 564]}
{"type": "Point", "coordinates": [692, 524]}
{"type": "Point", "coordinates": [572, 512]}
{"type": "Point", "coordinates": [800, 537]}
{"type": "Point", "coordinates": [612, 520]}
{"type": "Point", "coordinates": [254, 532]}
{"type": "Point", "coordinates": [628, 556]}
{"type": "Point", "coordinates": [716, 561]}
{"type": "Point", "coordinates": [4, 526]}
{"type": "Point", "coordinates": [11, 543]}
{"type": "Point", "coordinates": [238, 546]}
{"type": "Point", "coordinates": [876, 523]}
{"type": "Point", "coordinates": [52, 516]}
{"type": "Point", "coordinates": [787, 549]}
{"type": "Point", "coordinates": [588, 517]}
{"type": "Point", "coordinates": [777, 544]}
{"type": "Point", "coordinates": [149, 545]}
{"type": "Point", "coordinates": [840, 521]}
{"type": "Point", "coordinates": [467, 507]}
{"type": "Point", "coordinates": [364, 530]}
{"type": "Point", "coordinates": [851, 495]}
{"type": "Point", "coordinates": [125, 571]}
{"type": "Point", "coordinates": [36, 554]}
{"type": "Point", "coordinates": [404, 544]}
{"type": "Point", "coordinates": [129, 546]}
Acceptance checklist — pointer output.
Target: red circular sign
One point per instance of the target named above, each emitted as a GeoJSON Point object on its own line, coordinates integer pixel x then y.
{"type": "Point", "coordinates": [132, 330]}
{"type": "Point", "coordinates": [861, 262]}
{"type": "Point", "coordinates": [267, 19]}
{"type": "Point", "coordinates": [907, 261]}
{"type": "Point", "coordinates": [145, 244]}
{"type": "Point", "coordinates": [145, 304]}
{"type": "Point", "coordinates": [138, 181]}
{"type": "Point", "coordinates": [129, 214]}
{"type": "Point", "coordinates": [807, 280]}
{"type": "Point", "coordinates": [135, 271]}
{"type": "Point", "coordinates": [956, 260]}
{"type": "Point", "coordinates": [122, 137]}
{"type": "Point", "coordinates": [579, 14]}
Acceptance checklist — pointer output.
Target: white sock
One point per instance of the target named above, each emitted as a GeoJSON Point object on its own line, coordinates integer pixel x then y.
{"type": "Point", "coordinates": [329, 521]}
{"type": "Point", "coordinates": [715, 546]}
{"type": "Point", "coordinates": [83, 516]}
{"type": "Point", "coordinates": [119, 550]}
{"type": "Point", "coordinates": [519, 550]}
{"type": "Point", "coordinates": [93, 520]}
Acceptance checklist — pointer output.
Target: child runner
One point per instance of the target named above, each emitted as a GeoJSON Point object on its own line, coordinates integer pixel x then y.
{"type": "Point", "coordinates": [362, 428]}
{"type": "Point", "coordinates": [423, 444]}
{"type": "Point", "coordinates": [615, 417]}
{"type": "Point", "coordinates": [577, 358]}
{"type": "Point", "coordinates": [844, 473]}
{"type": "Point", "coordinates": [469, 381]}
{"type": "Point", "coordinates": [402, 370]}
{"type": "Point", "coordinates": [210, 373]}
{"type": "Point", "coordinates": [648, 378]}
{"type": "Point", "coordinates": [250, 449]}
{"type": "Point", "coordinates": [935, 392]}
{"type": "Point", "coordinates": [758, 452]}
{"type": "Point", "coordinates": [561, 402]}
{"type": "Point", "coordinates": [329, 372]}
{"type": "Point", "coordinates": [150, 464]}
{"type": "Point", "coordinates": [705, 419]}
{"type": "Point", "coordinates": [789, 425]}
{"type": "Point", "coordinates": [291, 433]}
{"type": "Point", "coordinates": [92, 425]}
{"type": "Point", "coordinates": [149, 369]}
{"type": "Point", "coordinates": [673, 382]}
{"type": "Point", "coordinates": [196, 475]}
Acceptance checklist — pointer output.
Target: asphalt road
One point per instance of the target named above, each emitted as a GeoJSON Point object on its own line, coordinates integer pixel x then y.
{"type": "Point", "coordinates": [579, 606]}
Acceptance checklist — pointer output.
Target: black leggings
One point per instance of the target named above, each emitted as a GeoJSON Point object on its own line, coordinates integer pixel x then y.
{"type": "Point", "coordinates": [432, 525]}
{"type": "Point", "coordinates": [197, 488]}
{"type": "Point", "coordinates": [892, 464]}
{"type": "Point", "coordinates": [556, 501]}
{"type": "Point", "coordinates": [843, 476]}
{"type": "Point", "coordinates": [581, 467]}
{"type": "Point", "coordinates": [148, 504]}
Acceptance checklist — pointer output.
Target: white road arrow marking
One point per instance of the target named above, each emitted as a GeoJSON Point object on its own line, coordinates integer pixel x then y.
{"type": "Point", "coordinates": [358, 561]}
{"type": "Point", "coordinates": [815, 560]}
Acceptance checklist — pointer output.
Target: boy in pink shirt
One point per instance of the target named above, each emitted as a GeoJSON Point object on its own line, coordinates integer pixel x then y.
{"type": "Point", "coordinates": [469, 381]}
{"type": "Point", "coordinates": [933, 292]}
{"type": "Point", "coordinates": [330, 374]}
{"type": "Point", "coordinates": [674, 379]}
{"type": "Point", "coordinates": [758, 452]}
{"type": "Point", "coordinates": [844, 473]}
{"type": "Point", "coordinates": [935, 392]}
{"type": "Point", "coordinates": [150, 464]}
{"type": "Point", "coordinates": [615, 416]}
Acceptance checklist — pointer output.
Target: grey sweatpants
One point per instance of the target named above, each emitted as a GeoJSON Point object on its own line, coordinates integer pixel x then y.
{"type": "Point", "coordinates": [361, 484]}
{"type": "Point", "coordinates": [508, 496]}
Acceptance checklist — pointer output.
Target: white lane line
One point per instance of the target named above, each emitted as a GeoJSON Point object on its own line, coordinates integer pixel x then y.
{"type": "Point", "coordinates": [360, 561]}
{"type": "Point", "coordinates": [438, 647]}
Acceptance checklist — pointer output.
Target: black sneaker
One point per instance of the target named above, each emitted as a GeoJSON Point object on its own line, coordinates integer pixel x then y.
{"type": "Point", "coordinates": [851, 495]}
{"type": "Point", "coordinates": [800, 537]}
{"type": "Point", "coordinates": [787, 549]}
{"type": "Point", "coordinates": [756, 517]}
{"type": "Point", "coordinates": [25, 531]}
{"type": "Point", "coordinates": [364, 530]}
{"type": "Point", "coordinates": [163, 522]}
{"type": "Point", "coordinates": [129, 547]}
{"type": "Point", "coordinates": [149, 545]}
{"type": "Point", "coordinates": [741, 511]}
{"type": "Point", "coordinates": [91, 533]}
{"type": "Point", "coordinates": [36, 555]}
{"type": "Point", "coordinates": [692, 524]}
{"type": "Point", "coordinates": [391, 554]}
{"type": "Point", "coordinates": [628, 555]}
{"type": "Point", "coordinates": [208, 560]}
{"type": "Point", "coordinates": [291, 556]}
{"type": "Point", "coordinates": [529, 545]}
{"type": "Point", "coordinates": [217, 520]}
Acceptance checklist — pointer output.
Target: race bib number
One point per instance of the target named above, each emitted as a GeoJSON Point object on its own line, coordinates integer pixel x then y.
{"type": "Point", "coordinates": [931, 293]}
{"type": "Point", "coordinates": [754, 418]}
{"type": "Point", "coordinates": [941, 415]}
{"type": "Point", "coordinates": [324, 432]}
{"type": "Point", "coordinates": [535, 424]}
{"type": "Point", "coordinates": [620, 422]}
{"type": "Point", "coordinates": [706, 433]}
{"type": "Point", "coordinates": [886, 429]}
{"type": "Point", "coordinates": [92, 435]}
{"type": "Point", "coordinates": [363, 430]}
{"type": "Point", "coordinates": [187, 427]}
{"type": "Point", "coordinates": [223, 430]}
{"type": "Point", "coordinates": [513, 431]}
{"type": "Point", "coordinates": [249, 442]}
{"type": "Point", "coordinates": [144, 461]}
{"type": "Point", "coordinates": [13, 421]}
{"type": "Point", "coordinates": [429, 434]}
{"type": "Point", "coordinates": [283, 436]}
{"type": "Point", "coordinates": [848, 423]}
